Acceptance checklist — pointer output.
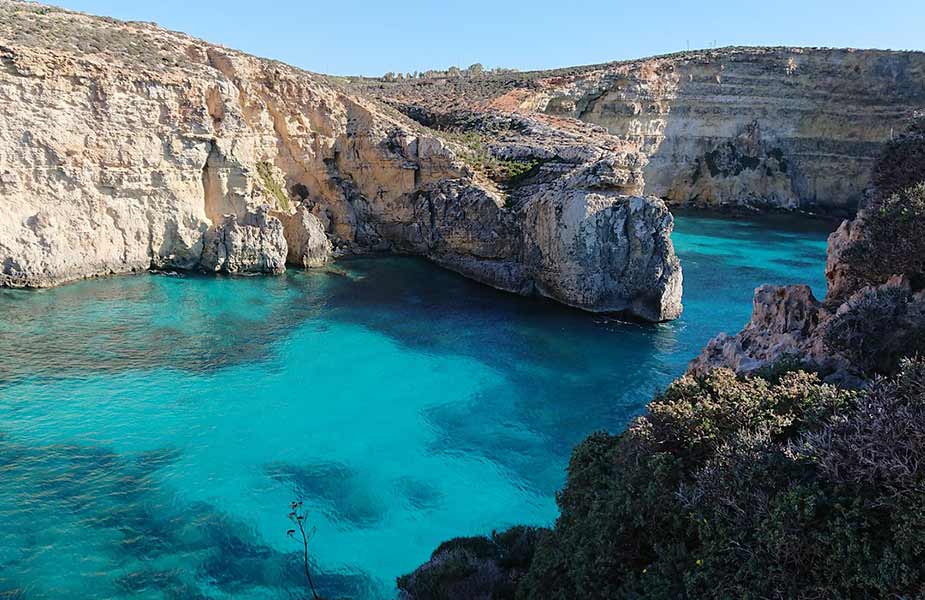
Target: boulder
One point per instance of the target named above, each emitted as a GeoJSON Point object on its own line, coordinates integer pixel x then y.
{"type": "Point", "coordinates": [254, 244]}
{"type": "Point", "coordinates": [604, 252]}
{"type": "Point", "coordinates": [308, 244]}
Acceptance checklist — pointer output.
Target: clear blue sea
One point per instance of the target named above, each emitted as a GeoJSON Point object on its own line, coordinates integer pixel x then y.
{"type": "Point", "coordinates": [154, 428]}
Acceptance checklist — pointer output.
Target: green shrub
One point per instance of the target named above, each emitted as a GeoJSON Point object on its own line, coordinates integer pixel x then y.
{"type": "Point", "coordinates": [731, 487]}
{"type": "Point", "coordinates": [876, 328]}
{"type": "Point", "coordinates": [265, 171]}
{"type": "Point", "coordinates": [902, 163]}
{"type": "Point", "coordinates": [474, 567]}
{"type": "Point", "coordinates": [893, 240]}
{"type": "Point", "coordinates": [477, 154]}
{"type": "Point", "coordinates": [734, 488]}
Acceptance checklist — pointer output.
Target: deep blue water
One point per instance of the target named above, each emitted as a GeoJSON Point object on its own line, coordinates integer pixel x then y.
{"type": "Point", "coordinates": [154, 428]}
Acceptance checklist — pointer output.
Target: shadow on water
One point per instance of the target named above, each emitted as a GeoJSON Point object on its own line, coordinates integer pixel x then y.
{"type": "Point", "coordinates": [349, 500]}
{"type": "Point", "coordinates": [73, 512]}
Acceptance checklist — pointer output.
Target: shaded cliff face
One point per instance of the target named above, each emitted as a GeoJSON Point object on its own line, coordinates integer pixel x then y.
{"type": "Point", "coordinates": [125, 147]}
{"type": "Point", "coordinates": [777, 127]}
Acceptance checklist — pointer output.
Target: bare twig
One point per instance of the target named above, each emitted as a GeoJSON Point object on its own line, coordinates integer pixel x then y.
{"type": "Point", "coordinates": [298, 516]}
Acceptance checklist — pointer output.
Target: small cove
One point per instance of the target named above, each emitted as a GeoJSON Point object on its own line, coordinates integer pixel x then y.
{"type": "Point", "coordinates": [154, 428]}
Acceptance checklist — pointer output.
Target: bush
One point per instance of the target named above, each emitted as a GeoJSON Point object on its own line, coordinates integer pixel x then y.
{"type": "Point", "coordinates": [481, 567]}
{"type": "Point", "coordinates": [265, 172]}
{"type": "Point", "coordinates": [477, 153]}
{"type": "Point", "coordinates": [902, 163]}
{"type": "Point", "coordinates": [893, 240]}
{"type": "Point", "coordinates": [877, 327]}
{"type": "Point", "coordinates": [743, 488]}
{"type": "Point", "coordinates": [879, 447]}
{"type": "Point", "coordinates": [636, 511]}
{"type": "Point", "coordinates": [735, 487]}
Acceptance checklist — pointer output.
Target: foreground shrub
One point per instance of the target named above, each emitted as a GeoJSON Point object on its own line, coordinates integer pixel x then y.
{"type": "Point", "coordinates": [877, 327]}
{"type": "Point", "coordinates": [893, 242]}
{"type": "Point", "coordinates": [634, 519]}
{"type": "Point", "coordinates": [729, 487]}
{"type": "Point", "coordinates": [902, 163]}
{"type": "Point", "coordinates": [477, 568]}
{"type": "Point", "coordinates": [746, 488]}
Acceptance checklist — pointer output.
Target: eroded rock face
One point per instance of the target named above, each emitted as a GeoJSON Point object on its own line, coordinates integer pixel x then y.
{"type": "Point", "coordinates": [857, 332]}
{"type": "Point", "coordinates": [837, 274]}
{"type": "Point", "coordinates": [604, 252]}
{"type": "Point", "coordinates": [142, 148]}
{"type": "Point", "coordinates": [753, 126]}
{"type": "Point", "coordinates": [308, 244]}
{"type": "Point", "coordinates": [792, 128]}
{"type": "Point", "coordinates": [783, 321]}
{"type": "Point", "coordinates": [254, 244]}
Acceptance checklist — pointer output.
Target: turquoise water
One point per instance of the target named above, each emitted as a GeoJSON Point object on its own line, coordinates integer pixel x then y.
{"type": "Point", "coordinates": [154, 428]}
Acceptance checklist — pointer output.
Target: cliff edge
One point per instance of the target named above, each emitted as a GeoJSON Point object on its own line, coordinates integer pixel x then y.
{"type": "Point", "coordinates": [759, 127]}
{"type": "Point", "coordinates": [125, 147]}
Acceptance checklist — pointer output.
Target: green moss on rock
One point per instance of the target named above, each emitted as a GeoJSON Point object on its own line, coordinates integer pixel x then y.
{"type": "Point", "coordinates": [265, 171]}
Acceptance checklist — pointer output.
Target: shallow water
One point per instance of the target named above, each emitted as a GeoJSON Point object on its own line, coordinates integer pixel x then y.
{"type": "Point", "coordinates": [154, 428]}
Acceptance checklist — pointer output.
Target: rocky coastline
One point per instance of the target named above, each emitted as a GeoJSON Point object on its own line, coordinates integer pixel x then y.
{"type": "Point", "coordinates": [156, 150]}
{"type": "Point", "coordinates": [786, 463]}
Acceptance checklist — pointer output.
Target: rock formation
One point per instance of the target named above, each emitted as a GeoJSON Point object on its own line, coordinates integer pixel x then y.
{"type": "Point", "coordinates": [156, 150]}
{"type": "Point", "coordinates": [873, 314]}
{"type": "Point", "coordinates": [254, 245]}
{"type": "Point", "coordinates": [784, 319]}
{"type": "Point", "coordinates": [857, 331]}
{"type": "Point", "coordinates": [307, 243]}
{"type": "Point", "coordinates": [125, 147]}
{"type": "Point", "coordinates": [795, 128]}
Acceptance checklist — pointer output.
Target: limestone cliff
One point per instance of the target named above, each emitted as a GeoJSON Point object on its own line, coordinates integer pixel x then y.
{"type": "Point", "coordinates": [125, 147]}
{"type": "Point", "coordinates": [795, 128]}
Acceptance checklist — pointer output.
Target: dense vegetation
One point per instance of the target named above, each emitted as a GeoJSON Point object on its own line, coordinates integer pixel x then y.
{"type": "Point", "coordinates": [478, 155]}
{"type": "Point", "coordinates": [776, 485]}
{"type": "Point", "coordinates": [894, 238]}
{"type": "Point", "coordinates": [473, 566]}
{"type": "Point", "coordinates": [882, 317]}
{"type": "Point", "coordinates": [877, 327]}
{"type": "Point", "coordinates": [736, 488]}
{"type": "Point", "coordinates": [902, 162]}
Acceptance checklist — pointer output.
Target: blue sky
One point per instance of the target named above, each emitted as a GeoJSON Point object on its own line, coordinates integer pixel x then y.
{"type": "Point", "coordinates": [370, 38]}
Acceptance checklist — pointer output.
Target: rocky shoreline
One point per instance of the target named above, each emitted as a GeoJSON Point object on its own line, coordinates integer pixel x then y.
{"type": "Point", "coordinates": [156, 150]}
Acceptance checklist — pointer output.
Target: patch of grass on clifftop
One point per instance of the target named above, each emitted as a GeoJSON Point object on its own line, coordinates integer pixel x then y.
{"type": "Point", "coordinates": [477, 154]}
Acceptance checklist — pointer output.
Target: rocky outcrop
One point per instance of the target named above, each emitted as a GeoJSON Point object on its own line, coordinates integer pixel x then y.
{"type": "Point", "coordinates": [256, 244]}
{"type": "Point", "coordinates": [635, 271]}
{"type": "Point", "coordinates": [307, 243]}
{"type": "Point", "coordinates": [152, 149]}
{"type": "Point", "coordinates": [784, 319]}
{"type": "Point", "coordinates": [794, 128]}
{"type": "Point", "coordinates": [858, 331]}
{"type": "Point", "coordinates": [841, 282]}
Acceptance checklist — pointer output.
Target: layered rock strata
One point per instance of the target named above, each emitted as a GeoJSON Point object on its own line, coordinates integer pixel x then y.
{"type": "Point", "coordinates": [793, 128]}
{"type": "Point", "coordinates": [125, 147]}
